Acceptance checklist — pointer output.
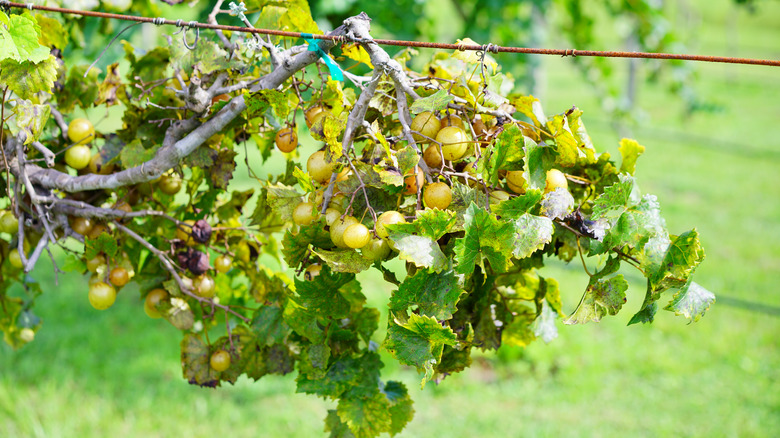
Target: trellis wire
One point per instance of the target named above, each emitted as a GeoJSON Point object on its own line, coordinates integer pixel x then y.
{"type": "Point", "coordinates": [421, 44]}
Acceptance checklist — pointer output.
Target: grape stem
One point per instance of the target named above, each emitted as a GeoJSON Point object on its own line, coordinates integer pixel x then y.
{"type": "Point", "coordinates": [636, 263]}
{"type": "Point", "coordinates": [182, 137]}
{"type": "Point", "coordinates": [212, 19]}
{"type": "Point", "coordinates": [582, 258]}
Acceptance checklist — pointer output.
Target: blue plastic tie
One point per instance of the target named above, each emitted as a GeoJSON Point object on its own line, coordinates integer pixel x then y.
{"type": "Point", "coordinates": [335, 70]}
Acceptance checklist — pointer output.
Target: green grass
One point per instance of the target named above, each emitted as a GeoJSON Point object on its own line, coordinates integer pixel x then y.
{"type": "Point", "coordinates": [117, 373]}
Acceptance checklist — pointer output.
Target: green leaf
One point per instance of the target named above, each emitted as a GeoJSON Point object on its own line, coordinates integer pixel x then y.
{"type": "Point", "coordinates": [259, 102]}
{"type": "Point", "coordinates": [614, 200]}
{"type": "Point", "coordinates": [433, 103]}
{"type": "Point", "coordinates": [487, 238]}
{"type": "Point", "coordinates": [630, 150]}
{"type": "Point", "coordinates": [462, 197]}
{"type": "Point", "coordinates": [264, 216]}
{"type": "Point", "coordinates": [27, 78]}
{"type": "Point", "coordinates": [667, 263]}
{"type": "Point", "coordinates": [269, 286]}
{"type": "Point", "coordinates": [506, 153]}
{"type": "Point", "coordinates": [518, 206]}
{"type": "Point", "coordinates": [336, 427]}
{"type": "Point", "coordinates": [344, 261]}
{"type": "Point", "coordinates": [268, 325]}
{"type": "Point", "coordinates": [73, 264]}
{"type": "Point", "coordinates": [419, 342]}
{"type": "Point", "coordinates": [691, 301]}
{"type": "Point", "coordinates": [134, 154]}
{"type": "Point", "coordinates": [683, 256]}
{"type": "Point", "coordinates": [195, 357]}
{"type": "Point", "coordinates": [367, 417]}
{"type": "Point", "coordinates": [366, 322]}
{"type": "Point", "coordinates": [304, 180]}
{"type": "Point", "coordinates": [430, 222]}
{"type": "Point", "coordinates": [103, 243]}
{"type": "Point", "coordinates": [453, 360]}
{"type": "Point", "coordinates": [313, 360]}
{"type": "Point", "coordinates": [303, 322]}
{"type": "Point", "coordinates": [539, 159]}
{"type": "Point", "coordinates": [19, 39]}
{"type": "Point", "coordinates": [345, 373]}
{"type": "Point", "coordinates": [603, 296]}
{"type": "Point", "coordinates": [295, 247]}
{"type": "Point", "coordinates": [401, 410]}
{"type": "Point", "coordinates": [152, 66]}
{"type": "Point", "coordinates": [416, 242]}
{"type": "Point", "coordinates": [435, 294]}
{"type": "Point", "coordinates": [532, 233]}
{"type": "Point", "coordinates": [283, 199]}
{"type": "Point", "coordinates": [646, 314]}
{"type": "Point", "coordinates": [31, 119]}
{"type": "Point", "coordinates": [323, 294]}
{"type": "Point", "coordinates": [636, 225]}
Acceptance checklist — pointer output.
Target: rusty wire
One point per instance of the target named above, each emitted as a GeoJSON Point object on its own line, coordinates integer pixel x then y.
{"type": "Point", "coordinates": [421, 44]}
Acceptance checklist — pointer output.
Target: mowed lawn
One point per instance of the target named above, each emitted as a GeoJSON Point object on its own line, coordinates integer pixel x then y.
{"type": "Point", "coordinates": [117, 373]}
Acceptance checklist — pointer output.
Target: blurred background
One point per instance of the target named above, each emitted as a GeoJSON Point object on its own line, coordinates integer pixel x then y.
{"type": "Point", "coordinates": [712, 158]}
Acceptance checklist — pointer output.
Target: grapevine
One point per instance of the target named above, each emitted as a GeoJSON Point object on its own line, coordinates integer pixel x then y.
{"type": "Point", "coordinates": [447, 171]}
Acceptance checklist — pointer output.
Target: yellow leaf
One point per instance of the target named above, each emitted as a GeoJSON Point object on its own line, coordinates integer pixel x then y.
{"type": "Point", "coordinates": [356, 53]}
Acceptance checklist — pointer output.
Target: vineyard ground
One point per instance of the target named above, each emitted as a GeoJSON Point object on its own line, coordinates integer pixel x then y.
{"type": "Point", "coordinates": [114, 373]}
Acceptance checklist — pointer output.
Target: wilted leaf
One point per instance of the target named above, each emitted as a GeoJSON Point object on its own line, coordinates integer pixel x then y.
{"type": "Point", "coordinates": [112, 84]}
{"type": "Point", "coordinates": [691, 301]}
{"type": "Point", "coordinates": [195, 362]}
{"type": "Point", "coordinates": [31, 119]}
{"type": "Point", "coordinates": [532, 233]}
{"type": "Point", "coordinates": [433, 103]}
{"type": "Point", "coordinates": [344, 261]}
{"type": "Point", "coordinates": [27, 78]}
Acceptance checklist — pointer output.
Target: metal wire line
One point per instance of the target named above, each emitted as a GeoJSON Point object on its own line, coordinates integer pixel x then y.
{"type": "Point", "coordinates": [422, 44]}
